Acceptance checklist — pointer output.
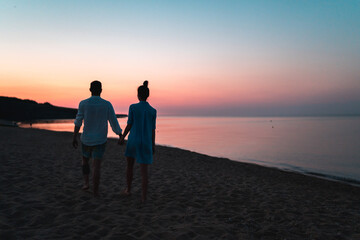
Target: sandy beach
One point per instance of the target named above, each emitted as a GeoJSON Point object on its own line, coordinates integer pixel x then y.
{"type": "Point", "coordinates": [191, 196]}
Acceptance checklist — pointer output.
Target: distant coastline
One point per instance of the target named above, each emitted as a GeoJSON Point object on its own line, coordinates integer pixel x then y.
{"type": "Point", "coordinates": [263, 115]}
{"type": "Point", "coordinates": [13, 110]}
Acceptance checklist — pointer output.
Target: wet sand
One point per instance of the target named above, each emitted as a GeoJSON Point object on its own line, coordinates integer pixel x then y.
{"type": "Point", "coordinates": [191, 196]}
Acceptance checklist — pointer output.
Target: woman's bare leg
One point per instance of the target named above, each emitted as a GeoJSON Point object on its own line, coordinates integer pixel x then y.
{"type": "Point", "coordinates": [144, 182]}
{"type": "Point", "coordinates": [129, 174]}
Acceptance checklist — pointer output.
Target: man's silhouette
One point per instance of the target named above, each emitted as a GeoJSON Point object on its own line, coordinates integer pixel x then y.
{"type": "Point", "coordinates": [96, 112]}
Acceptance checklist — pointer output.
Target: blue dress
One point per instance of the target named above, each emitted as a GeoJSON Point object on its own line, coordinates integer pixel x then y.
{"type": "Point", "coordinates": [142, 117]}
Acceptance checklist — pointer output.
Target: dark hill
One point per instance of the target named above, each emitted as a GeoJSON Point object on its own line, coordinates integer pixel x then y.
{"type": "Point", "coordinates": [15, 109]}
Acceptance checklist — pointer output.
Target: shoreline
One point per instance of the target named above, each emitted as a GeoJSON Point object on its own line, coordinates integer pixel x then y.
{"type": "Point", "coordinates": [191, 196]}
{"type": "Point", "coordinates": [304, 172]}
{"type": "Point", "coordinates": [320, 171]}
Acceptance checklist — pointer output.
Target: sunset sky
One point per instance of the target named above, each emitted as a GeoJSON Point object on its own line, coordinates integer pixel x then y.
{"type": "Point", "coordinates": [228, 58]}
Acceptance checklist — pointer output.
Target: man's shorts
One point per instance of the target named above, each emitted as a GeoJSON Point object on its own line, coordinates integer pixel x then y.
{"type": "Point", "coordinates": [96, 152]}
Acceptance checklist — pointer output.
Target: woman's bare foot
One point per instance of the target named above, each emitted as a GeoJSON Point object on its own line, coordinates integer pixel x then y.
{"type": "Point", "coordinates": [126, 192]}
{"type": "Point", "coordinates": [85, 187]}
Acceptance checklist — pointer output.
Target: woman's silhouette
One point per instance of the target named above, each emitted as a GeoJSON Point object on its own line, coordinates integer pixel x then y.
{"type": "Point", "coordinates": [141, 141]}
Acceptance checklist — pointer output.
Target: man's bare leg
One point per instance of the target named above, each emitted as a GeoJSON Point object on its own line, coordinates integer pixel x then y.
{"type": "Point", "coordinates": [96, 176]}
{"type": "Point", "coordinates": [86, 171]}
{"type": "Point", "coordinates": [144, 181]}
{"type": "Point", "coordinates": [129, 174]}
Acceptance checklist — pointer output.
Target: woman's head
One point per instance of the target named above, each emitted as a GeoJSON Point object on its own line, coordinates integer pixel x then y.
{"type": "Point", "coordinates": [143, 91]}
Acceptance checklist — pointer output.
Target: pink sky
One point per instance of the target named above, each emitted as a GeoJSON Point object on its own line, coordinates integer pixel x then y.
{"type": "Point", "coordinates": [195, 65]}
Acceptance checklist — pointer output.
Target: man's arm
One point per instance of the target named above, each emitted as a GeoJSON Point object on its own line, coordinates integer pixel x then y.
{"type": "Point", "coordinates": [79, 115]}
{"type": "Point", "coordinates": [76, 132]}
{"type": "Point", "coordinates": [78, 123]}
{"type": "Point", "coordinates": [113, 121]}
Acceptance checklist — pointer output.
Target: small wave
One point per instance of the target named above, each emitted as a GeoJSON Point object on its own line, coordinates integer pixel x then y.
{"type": "Point", "coordinates": [297, 169]}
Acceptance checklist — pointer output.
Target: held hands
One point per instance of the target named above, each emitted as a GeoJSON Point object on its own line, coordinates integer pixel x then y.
{"type": "Point", "coordinates": [121, 139]}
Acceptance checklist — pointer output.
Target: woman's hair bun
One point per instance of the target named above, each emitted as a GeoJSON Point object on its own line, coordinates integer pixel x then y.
{"type": "Point", "coordinates": [146, 83]}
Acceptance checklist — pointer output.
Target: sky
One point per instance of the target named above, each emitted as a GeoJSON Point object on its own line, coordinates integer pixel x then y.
{"type": "Point", "coordinates": [201, 58]}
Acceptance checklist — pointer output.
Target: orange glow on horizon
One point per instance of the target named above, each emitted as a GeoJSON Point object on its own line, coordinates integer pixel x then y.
{"type": "Point", "coordinates": [176, 93]}
{"type": "Point", "coordinates": [190, 90]}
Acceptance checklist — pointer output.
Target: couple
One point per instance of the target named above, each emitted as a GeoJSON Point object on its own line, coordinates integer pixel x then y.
{"type": "Point", "coordinates": [96, 112]}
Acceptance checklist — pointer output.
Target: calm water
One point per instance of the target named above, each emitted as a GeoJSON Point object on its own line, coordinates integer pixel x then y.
{"type": "Point", "coordinates": [329, 146]}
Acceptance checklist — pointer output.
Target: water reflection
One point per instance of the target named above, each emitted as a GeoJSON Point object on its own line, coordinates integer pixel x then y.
{"type": "Point", "coordinates": [323, 145]}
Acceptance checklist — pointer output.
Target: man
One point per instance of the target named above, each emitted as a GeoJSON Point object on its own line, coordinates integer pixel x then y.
{"type": "Point", "coordinates": [96, 112]}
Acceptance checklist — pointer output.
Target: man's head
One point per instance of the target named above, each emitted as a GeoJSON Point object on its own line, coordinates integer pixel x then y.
{"type": "Point", "coordinates": [95, 88]}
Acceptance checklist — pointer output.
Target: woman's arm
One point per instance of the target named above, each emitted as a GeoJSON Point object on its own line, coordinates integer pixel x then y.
{"type": "Point", "coordinates": [153, 141]}
{"type": "Point", "coordinates": [126, 131]}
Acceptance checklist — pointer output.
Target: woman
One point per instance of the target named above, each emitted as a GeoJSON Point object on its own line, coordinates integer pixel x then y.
{"type": "Point", "coordinates": [141, 142]}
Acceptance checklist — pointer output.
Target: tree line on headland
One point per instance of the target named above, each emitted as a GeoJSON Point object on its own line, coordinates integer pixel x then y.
{"type": "Point", "coordinates": [15, 109]}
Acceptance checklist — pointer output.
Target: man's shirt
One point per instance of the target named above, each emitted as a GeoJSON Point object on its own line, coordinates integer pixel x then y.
{"type": "Point", "coordinates": [96, 112]}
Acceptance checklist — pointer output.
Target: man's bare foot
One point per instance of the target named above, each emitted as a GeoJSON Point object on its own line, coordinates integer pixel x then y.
{"type": "Point", "coordinates": [85, 187]}
{"type": "Point", "coordinates": [126, 192]}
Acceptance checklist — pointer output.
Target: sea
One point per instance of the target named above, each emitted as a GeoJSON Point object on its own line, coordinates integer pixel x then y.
{"type": "Point", "coordinates": [326, 147]}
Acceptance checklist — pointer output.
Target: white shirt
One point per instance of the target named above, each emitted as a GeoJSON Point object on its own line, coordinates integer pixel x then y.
{"type": "Point", "coordinates": [96, 112]}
